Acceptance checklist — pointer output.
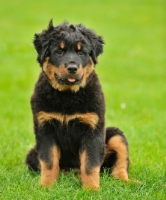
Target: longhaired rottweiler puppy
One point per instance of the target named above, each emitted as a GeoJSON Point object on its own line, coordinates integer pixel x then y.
{"type": "Point", "coordinates": [69, 110]}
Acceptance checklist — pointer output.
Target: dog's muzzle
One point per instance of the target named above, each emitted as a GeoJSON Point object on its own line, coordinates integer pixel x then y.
{"type": "Point", "coordinates": [72, 75]}
{"type": "Point", "coordinates": [72, 68]}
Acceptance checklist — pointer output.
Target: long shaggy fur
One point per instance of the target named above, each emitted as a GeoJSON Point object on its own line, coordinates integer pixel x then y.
{"type": "Point", "coordinates": [69, 110]}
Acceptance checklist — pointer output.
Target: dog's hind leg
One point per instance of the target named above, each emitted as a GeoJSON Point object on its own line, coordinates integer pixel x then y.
{"type": "Point", "coordinates": [32, 160]}
{"type": "Point", "coordinates": [116, 156]}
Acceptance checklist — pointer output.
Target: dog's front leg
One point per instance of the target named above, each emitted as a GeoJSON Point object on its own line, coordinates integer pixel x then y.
{"type": "Point", "coordinates": [49, 156]}
{"type": "Point", "coordinates": [91, 158]}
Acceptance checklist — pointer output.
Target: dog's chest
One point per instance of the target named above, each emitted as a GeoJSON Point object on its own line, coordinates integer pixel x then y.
{"type": "Point", "coordinates": [68, 103]}
{"type": "Point", "coordinates": [66, 108]}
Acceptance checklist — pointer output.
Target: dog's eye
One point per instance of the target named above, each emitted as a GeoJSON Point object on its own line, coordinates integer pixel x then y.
{"type": "Point", "coordinates": [81, 53]}
{"type": "Point", "coordinates": [59, 52]}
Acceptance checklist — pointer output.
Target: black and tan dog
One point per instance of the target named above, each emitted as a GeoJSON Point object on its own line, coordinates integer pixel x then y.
{"type": "Point", "coordinates": [69, 110]}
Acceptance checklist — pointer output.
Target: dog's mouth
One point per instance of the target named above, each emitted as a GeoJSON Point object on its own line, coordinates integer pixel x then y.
{"type": "Point", "coordinates": [68, 80]}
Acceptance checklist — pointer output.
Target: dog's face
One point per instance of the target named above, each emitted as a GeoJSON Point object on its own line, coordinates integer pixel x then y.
{"type": "Point", "coordinates": [67, 54]}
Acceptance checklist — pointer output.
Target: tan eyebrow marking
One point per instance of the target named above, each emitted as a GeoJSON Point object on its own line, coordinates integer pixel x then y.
{"type": "Point", "coordinates": [79, 46]}
{"type": "Point", "coordinates": [62, 45]}
{"type": "Point", "coordinates": [89, 118]}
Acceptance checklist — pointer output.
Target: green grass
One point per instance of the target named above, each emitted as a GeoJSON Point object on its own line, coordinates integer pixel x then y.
{"type": "Point", "coordinates": [132, 71]}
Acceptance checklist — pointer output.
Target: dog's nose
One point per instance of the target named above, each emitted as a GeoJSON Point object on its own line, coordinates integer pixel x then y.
{"type": "Point", "coordinates": [72, 68]}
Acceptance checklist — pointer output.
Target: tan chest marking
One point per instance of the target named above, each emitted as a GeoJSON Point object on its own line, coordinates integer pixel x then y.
{"type": "Point", "coordinates": [87, 118]}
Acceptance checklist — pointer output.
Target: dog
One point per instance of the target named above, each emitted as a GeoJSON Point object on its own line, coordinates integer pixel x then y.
{"type": "Point", "coordinates": [69, 110]}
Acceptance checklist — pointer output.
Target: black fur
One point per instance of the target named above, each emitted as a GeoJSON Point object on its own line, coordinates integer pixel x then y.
{"type": "Point", "coordinates": [74, 137]}
{"type": "Point", "coordinates": [43, 40]}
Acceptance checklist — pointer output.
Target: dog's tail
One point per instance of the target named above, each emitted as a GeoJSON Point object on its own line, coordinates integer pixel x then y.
{"type": "Point", "coordinates": [32, 160]}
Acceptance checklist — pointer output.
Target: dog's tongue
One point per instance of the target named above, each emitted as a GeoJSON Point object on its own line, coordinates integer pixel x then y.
{"type": "Point", "coordinates": [71, 80]}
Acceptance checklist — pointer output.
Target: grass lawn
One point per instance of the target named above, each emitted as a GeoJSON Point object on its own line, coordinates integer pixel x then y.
{"type": "Point", "coordinates": [132, 70]}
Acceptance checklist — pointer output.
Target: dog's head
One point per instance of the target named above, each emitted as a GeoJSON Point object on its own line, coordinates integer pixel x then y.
{"type": "Point", "coordinates": [68, 54]}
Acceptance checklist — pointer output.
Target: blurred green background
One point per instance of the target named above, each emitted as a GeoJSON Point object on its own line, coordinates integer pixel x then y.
{"type": "Point", "coordinates": [132, 71]}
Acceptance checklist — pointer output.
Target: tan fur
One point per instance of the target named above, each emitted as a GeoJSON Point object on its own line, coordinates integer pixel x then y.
{"type": "Point", "coordinates": [87, 71]}
{"type": "Point", "coordinates": [79, 46]}
{"type": "Point", "coordinates": [50, 70]}
{"type": "Point", "coordinates": [49, 173]}
{"type": "Point", "coordinates": [120, 169]}
{"type": "Point", "coordinates": [90, 180]}
{"type": "Point", "coordinates": [87, 118]}
{"type": "Point", "coordinates": [62, 45]}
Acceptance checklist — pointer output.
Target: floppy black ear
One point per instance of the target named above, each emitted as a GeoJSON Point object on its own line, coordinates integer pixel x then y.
{"type": "Point", "coordinates": [97, 46]}
{"type": "Point", "coordinates": [41, 43]}
{"type": "Point", "coordinates": [96, 42]}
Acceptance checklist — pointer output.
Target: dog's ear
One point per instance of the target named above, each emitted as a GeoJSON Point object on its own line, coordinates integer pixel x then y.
{"type": "Point", "coordinates": [97, 46]}
{"type": "Point", "coordinates": [95, 40]}
{"type": "Point", "coordinates": [41, 43]}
